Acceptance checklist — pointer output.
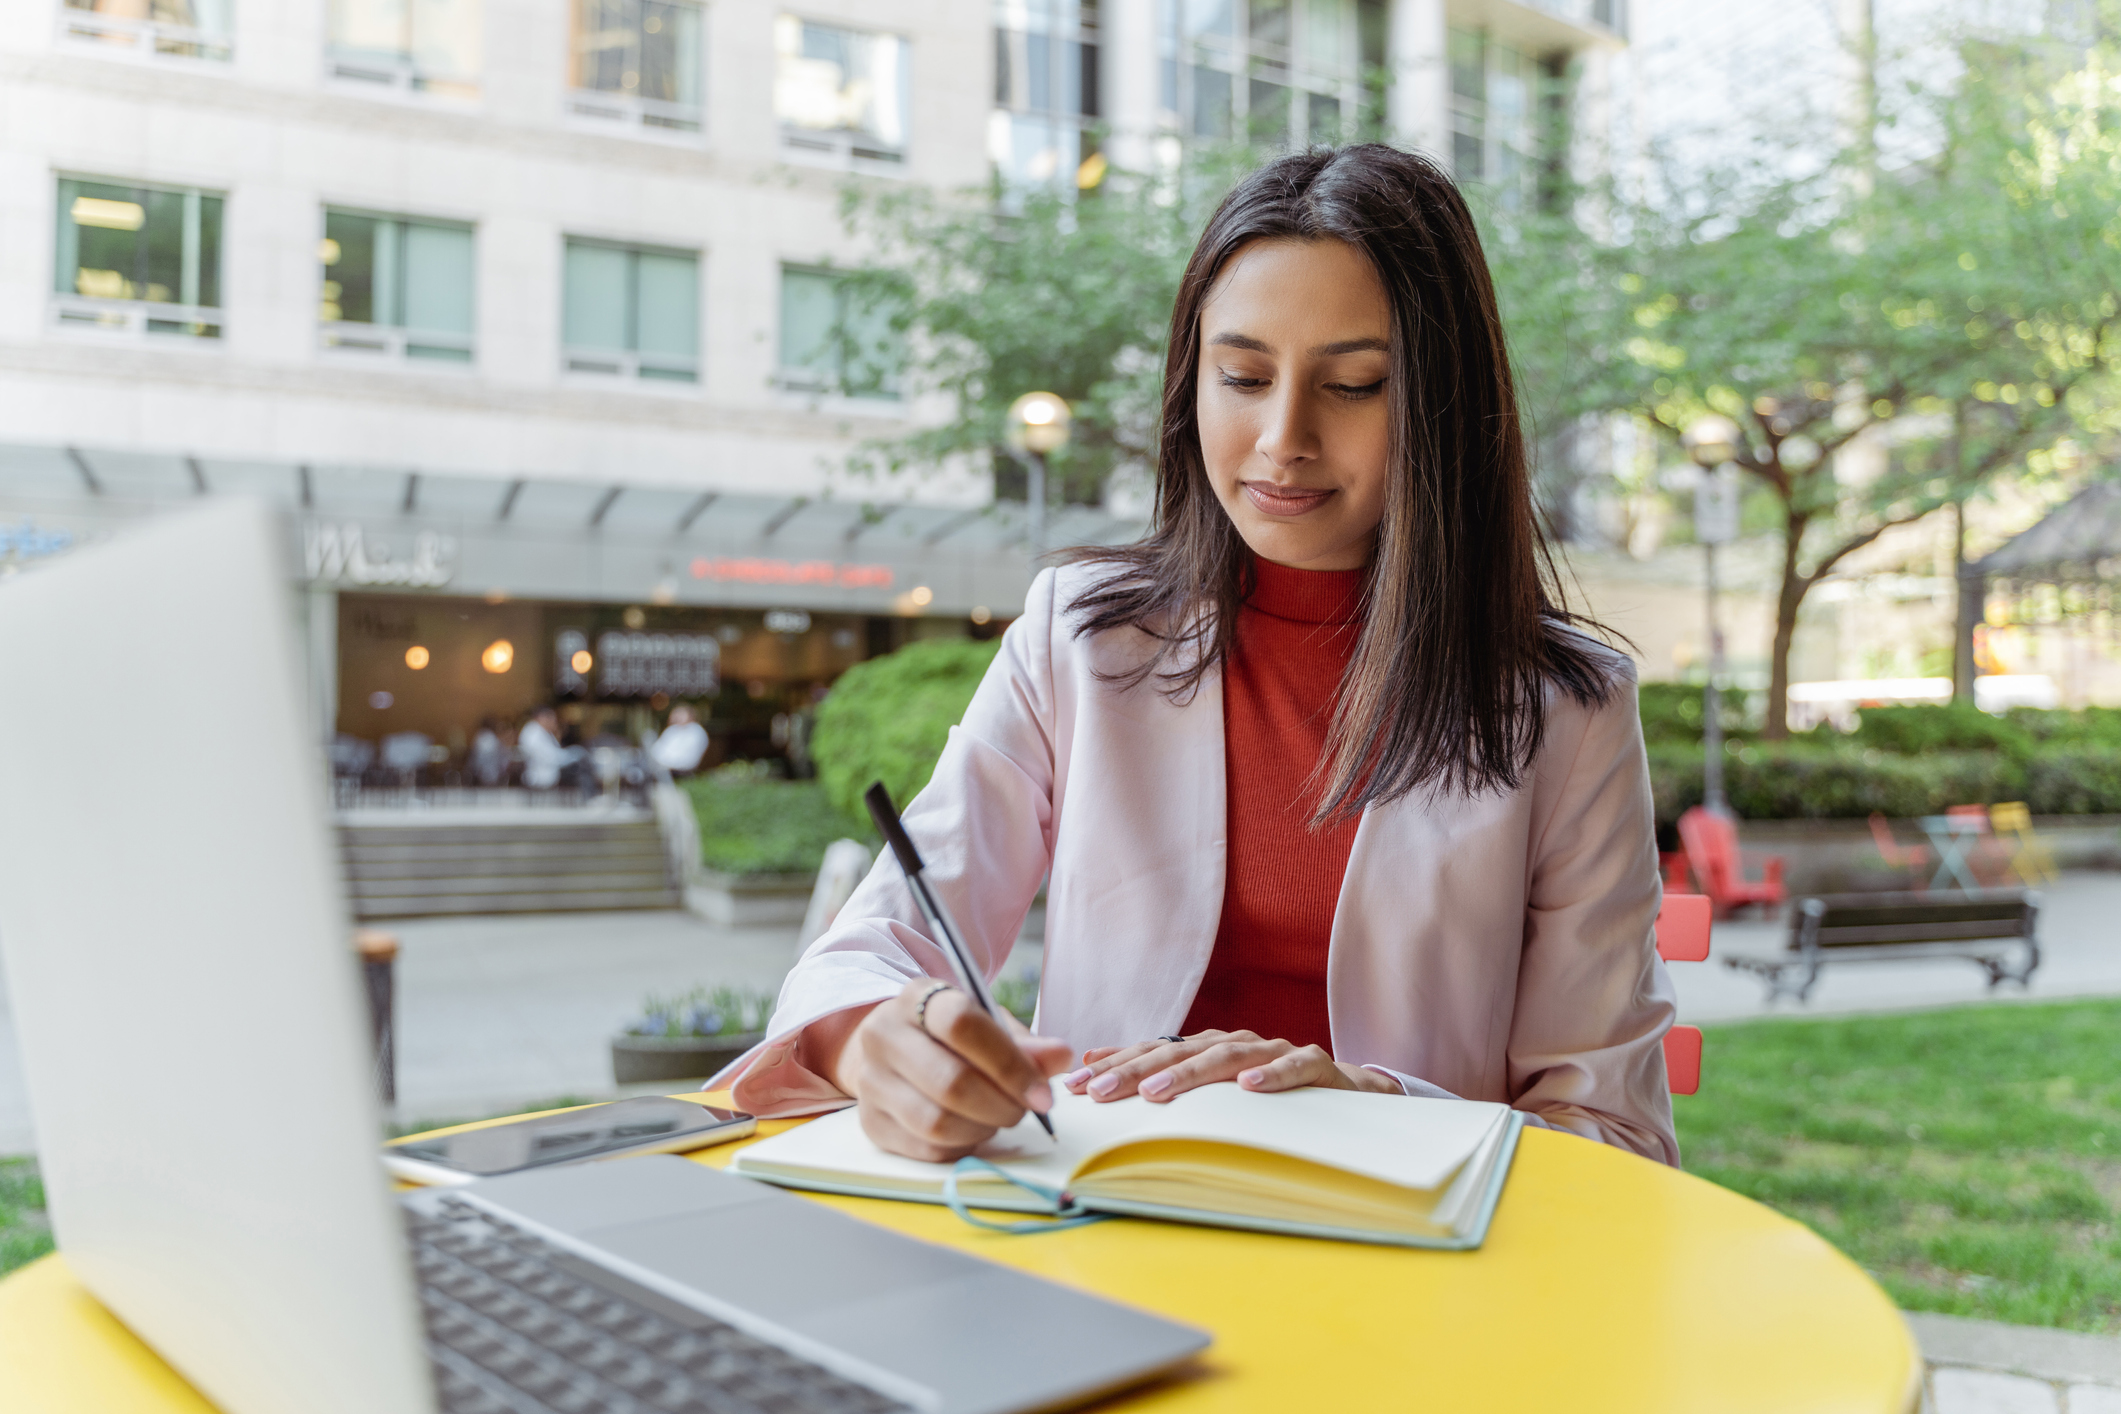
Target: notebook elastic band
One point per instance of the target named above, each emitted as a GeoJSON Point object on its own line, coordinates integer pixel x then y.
{"type": "Point", "coordinates": [1066, 1211]}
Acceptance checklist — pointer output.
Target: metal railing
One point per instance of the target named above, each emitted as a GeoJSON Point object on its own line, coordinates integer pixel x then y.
{"type": "Point", "coordinates": [841, 147]}
{"type": "Point", "coordinates": [626, 110]}
{"type": "Point", "coordinates": [383, 341]}
{"type": "Point", "coordinates": [135, 319]}
{"type": "Point", "coordinates": [143, 37]}
{"type": "Point", "coordinates": [619, 363]}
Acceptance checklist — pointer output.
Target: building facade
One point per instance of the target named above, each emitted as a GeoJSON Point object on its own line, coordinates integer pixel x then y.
{"type": "Point", "coordinates": [435, 272]}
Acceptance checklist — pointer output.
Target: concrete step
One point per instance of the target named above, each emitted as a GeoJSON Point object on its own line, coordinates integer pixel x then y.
{"type": "Point", "coordinates": [409, 870]}
{"type": "Point", "coordinates": [419, 866]}
{"type": "Point", "coordinates": [585, 901]}
{"type": "Point", "coordinates": [459, 884]}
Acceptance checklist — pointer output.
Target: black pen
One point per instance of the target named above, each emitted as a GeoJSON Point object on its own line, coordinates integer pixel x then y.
{"type": "Point", "coordinates": [909, 860]}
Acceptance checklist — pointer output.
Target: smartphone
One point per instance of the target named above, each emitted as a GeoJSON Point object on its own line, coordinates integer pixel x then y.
{"type": "Point", "coordinates": [651, 1125]}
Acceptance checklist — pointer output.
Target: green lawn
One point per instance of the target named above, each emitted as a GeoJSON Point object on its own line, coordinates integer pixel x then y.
{"type": "Point", "coordinates": [24, 1237]}
{"type": "Point", "coordinates": [1969, 1159]}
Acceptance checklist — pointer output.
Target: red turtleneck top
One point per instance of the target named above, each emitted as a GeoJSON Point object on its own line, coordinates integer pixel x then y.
{"type": "Point", "coordinates": [1294, 636]}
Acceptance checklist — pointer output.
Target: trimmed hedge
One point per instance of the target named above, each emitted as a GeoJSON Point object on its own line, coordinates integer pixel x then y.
{"type": "Point", "coordinates": [1842, 780]}
{"type": "Point", "coordinates": [887, 719]}
{"type": "Point", "coordinates": [755, 824]}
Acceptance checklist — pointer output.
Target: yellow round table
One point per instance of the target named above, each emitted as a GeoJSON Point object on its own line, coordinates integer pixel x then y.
{"type": "Point", "coordinates": [1607, 1283]}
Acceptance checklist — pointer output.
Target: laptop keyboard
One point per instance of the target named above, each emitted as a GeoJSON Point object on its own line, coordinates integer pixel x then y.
{"type": "Point", "coordinates": [514, 1327]}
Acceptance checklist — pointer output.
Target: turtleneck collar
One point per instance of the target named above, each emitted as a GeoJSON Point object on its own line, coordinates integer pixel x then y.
{"type": "Point", "coordinates": [1306, 596]}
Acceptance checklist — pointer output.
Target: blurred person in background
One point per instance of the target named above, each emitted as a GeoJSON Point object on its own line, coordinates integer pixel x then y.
{"type": "Point", "coordinates": [488, 761]}
{"type": "Point", "coordinates": [546, 763]}
{"type": "Point", "coordinates": [682, 745]}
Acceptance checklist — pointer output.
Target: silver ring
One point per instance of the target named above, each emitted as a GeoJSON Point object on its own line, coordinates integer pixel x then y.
{"type": "Point", "coordinates": [1171, 1038]}
{"type": "Point", "coordinates": [920, 1013]}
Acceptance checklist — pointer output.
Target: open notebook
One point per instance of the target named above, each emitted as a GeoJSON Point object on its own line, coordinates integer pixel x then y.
{"type": "Point", "coordinates": [1318, 1163]}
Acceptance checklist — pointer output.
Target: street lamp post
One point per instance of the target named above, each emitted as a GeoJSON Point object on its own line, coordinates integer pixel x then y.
{"type": "Point", "coordinates": [1712, 442]}
{"type": "Point", "coordinates": [1038, 425]}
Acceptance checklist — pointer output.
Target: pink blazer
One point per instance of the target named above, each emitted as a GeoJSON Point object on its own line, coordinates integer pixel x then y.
{"type": "Point", "coordinates": [1495, 948]}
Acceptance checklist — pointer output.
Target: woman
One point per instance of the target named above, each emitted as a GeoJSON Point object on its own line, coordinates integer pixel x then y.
{"type": "Point", "coordinates": [1329, 790]}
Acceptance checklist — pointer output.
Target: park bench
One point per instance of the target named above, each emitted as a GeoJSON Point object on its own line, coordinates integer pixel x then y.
{"type": "Point", "coordinates": [1991, 927]}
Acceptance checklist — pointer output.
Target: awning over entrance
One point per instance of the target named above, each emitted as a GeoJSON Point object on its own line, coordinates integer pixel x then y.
{"type": "Point", "coordinates": [2072, 541]}
{"type": "Point", "coordinates": [367, 528]}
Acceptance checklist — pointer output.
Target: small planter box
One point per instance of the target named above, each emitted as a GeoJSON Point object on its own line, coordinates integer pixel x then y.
{"type": "Point", "coordinates": [640, 1058]}
{"type": "Point", "coordinates": [750, 900]}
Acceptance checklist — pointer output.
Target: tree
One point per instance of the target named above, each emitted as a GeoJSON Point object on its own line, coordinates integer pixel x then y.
{"type": "Point", "coordinates": [997, 294]}
{"type": "Point", "coordinates": [1946, 319]}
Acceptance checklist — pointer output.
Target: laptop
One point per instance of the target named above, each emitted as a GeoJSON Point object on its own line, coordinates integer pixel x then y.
{"type": "Point", "coordinates": [179, 958]}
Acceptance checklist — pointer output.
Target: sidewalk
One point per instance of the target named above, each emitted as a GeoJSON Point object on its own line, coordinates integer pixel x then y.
{"type": "Point", "coordinates": [2080, 956]}
{"type": "Point", "coordinates": [500, 1012]}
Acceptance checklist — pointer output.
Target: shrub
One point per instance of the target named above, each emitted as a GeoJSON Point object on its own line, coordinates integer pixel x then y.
{"type": "Point", "coordinates": [1672, 711]}
{"type": "Point", "coordinates": [2074, 780]}
{"type": "Point", "coordinates": [1959, 726]}
{"type": "Point", "coordinates": [703, 1012]}
{"type": "Point", "coordinates": [752, 824]}
{"type": "Point", "coordinates": [2094, 726]}
{"type": "Point", "coordinates": [887, 719]}
{"type": "Point", "coordinates": [1833, 780]}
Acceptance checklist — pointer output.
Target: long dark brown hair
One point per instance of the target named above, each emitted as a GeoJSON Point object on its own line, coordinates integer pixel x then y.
{"type": "Point", "coordinates": [1462, 633]}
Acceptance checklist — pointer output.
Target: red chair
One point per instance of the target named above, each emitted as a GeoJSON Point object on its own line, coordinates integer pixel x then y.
{"type": "Point", "coordinates": [1683, 936]}
{"type": "Point", "coordinates": [1712, 854]}
{"type": "Point", "coordinates": [1895, 854]}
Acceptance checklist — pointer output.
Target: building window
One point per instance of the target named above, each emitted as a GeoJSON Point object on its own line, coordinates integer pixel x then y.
{"type": "Point", "coordinates": [834, 338]}
{"type": "Point", "coordinates": [840, 92]}
{"type": "Point", "coordinates": [1045, 93]}
{"type": "Point", "coordinates": [193, 29]}
{"type": "Point", "coordinates": [632, 312]}
{"type": "Point", "coordinates": [637, 62]}
{"type": "Point", "coordinates": [1494, 111]}
{"type": "Point", "coordinates": [395, 287]}
{"type": "Point", "coordinates": [1282, 73]}
{"type": "Point", "coordinates": [425, 46]}
{"type": "Point", "coordinates": [138, 260]}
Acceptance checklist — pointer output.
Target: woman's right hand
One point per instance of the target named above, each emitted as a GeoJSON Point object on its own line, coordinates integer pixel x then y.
{"type": "Point", "coordinates": [938, 1087]}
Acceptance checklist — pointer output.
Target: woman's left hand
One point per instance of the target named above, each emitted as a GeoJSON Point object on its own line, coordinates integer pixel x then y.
{"type": "Point", "coordinates": [1159, 1070]}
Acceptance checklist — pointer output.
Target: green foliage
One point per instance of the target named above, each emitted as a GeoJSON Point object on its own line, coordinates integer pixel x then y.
{"type": "Point", "coordinates": [1018, 995]}
{"type": "Point", "coordinates": [751, 824]}
{"type": "Point", "coordinates": [1672, 711]}
{"type": "Point", "coordinates": [2074, 780]}
{"type": "Point", "coordinates": [887, 719]}
{"type": "Point", "coordinates": [1961, 726]}
{"type": "Point", "coordinates": [703, 1012]}
{"type": "Point", "coordinates": [25, 1235]}
{"type": "Point", "coordinates": [1967, 1158]}
{"type": "Point", "coordinates": [1067, 296]}
{"type": "Point", "coordinates": [2090, 726]}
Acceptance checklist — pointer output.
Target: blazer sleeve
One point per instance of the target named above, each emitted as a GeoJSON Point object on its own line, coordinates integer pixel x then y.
{"type": "Point", "coordinates": [1586, 1047]}
{"type": "Point", "coordinates": [984, 827]}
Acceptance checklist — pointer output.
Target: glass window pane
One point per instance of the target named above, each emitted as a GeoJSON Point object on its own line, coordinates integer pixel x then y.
{"type": "Point", "coordinates": [808, 313]}
{"type": "Point", "coordinates": [840, 80]}
{"type": "Point", "coordinates": [1465, 156]}
{"type": "Point", "coordinates": [209, 252]}
{"type": "Point", "coordinates": [438, 279]}
{"type": "Point", "coordinates": [1084, 96]}
{"type": "Point", "coordinates": [349, 268]}
{"type": "Point", "coordinates": [1269, 22]}
{"type": "Point", "coordinates": [1210, 17]}
{"type": "Point", "coordinates": [1468, 67]}
{"type": "Point", "coordinates": [871, 350]}
{"type": "Point", "coordinates": [1038, 69]}
{"type": "Point", "coordinates": [595, 302]}
{"type": "Point", "coordinates": [102, 242]}
{"type": "Point", "coordinates": [161, 247]}
{"type": "Point", "coordinates": [1211, 103]}
{"type": "Point", "coordinates": [670, 52]}
{"type": "Point", "coordinates": [1325, 34]}
{"type": "Point", "coordinates": [378, 27]}
{"type": "Point", "coordinates": [1324, 118]}
{"type": "Point", "coordinates": [1268, 118]}
{"type": "Point", "coordinates": [669, 304]}
{"type": "Point", "coordinates": [1008, 83]}
{"type": "Point", "coordinates": [447, 37]}
{"type": "Point", "coordinates": [603, 44]}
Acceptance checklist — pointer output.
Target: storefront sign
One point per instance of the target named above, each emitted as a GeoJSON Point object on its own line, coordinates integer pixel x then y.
{"type": "Point", "coordinates": [340, 554]}
{"type": "Point", "coordinates": [646, 664]}
{"type": "Point", "coordinates": [730, 570]}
